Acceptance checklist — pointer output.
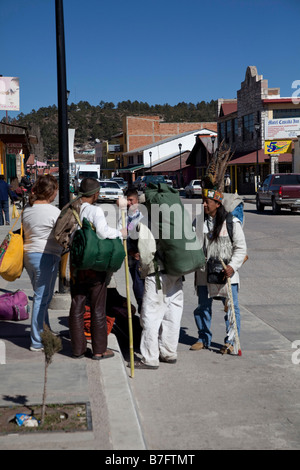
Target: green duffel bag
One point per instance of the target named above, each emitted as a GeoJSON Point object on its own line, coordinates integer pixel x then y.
{"type": "Point", "coordinates": [180, 249]}
{"type": "Point", "coordinates": [88, 251]}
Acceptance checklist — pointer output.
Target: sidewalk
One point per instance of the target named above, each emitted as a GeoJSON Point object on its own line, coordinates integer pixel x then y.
{"type": "Point", "coordinates": [103, 386]}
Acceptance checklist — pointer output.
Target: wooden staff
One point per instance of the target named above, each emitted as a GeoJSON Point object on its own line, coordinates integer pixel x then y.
{"type": "Point", "coordinates": [233, 311]}
{"type": "Point", "coordinates": [128, 299]}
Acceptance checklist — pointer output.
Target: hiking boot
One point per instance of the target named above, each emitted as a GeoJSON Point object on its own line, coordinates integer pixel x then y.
{"type": "Point", "coordinates": [197, 346]}
{"type": "Point", "coordinates": [227, 348]}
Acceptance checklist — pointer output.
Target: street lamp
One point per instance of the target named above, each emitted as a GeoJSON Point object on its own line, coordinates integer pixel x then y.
{"type": "Point", "coordinates": [180, 145]}
{"type": "Point", "coordinates": [213, 138]}
{"type": "Point", "coordinates": [257, 130]}
{"type": "Point", "coordinates": [150, 155]}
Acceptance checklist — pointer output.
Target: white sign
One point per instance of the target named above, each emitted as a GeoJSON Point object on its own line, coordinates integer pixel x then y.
{"type": "Point", "coordinates": [282, 128]}
{"type": "Point", "coordinates": [9, 94]}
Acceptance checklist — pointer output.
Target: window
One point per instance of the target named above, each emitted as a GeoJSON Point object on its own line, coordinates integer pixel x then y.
{"type": "Point", "coordinates": [248, 127]}
{"type": "Point", "coordinates": [221, 131]}
{"type": "Point", "coordinates": [235, 129]}
{"type": "Point", "coordinates": [228, 131]}
{"type": "Point", "coordinates": [286, 113]}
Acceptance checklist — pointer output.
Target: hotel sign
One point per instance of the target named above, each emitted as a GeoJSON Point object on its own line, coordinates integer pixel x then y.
{"type": "Point", "coordinates": [288, 128]}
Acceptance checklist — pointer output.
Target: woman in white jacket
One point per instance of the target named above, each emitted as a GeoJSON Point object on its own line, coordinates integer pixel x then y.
{"type": "Point", "coordinates": [218, 244]}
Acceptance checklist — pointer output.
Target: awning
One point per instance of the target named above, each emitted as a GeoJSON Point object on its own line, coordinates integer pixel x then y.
{"type": "Point", "coordinates": [12, 134]}
{"type": "Point", "coordinates": [251, 158]}
{"type": "Point", "coordinates": [173, 164]}
{"type": "Point", "coordinates": [130, 169]}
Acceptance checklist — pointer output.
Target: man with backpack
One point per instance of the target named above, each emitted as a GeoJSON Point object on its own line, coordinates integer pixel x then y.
{"type": "Point", "coordinates": [89, 283]}
{"type": "Point", "coordinates": [162, 305]}
{"type": "Point", "coordinates": [226, 243]}
{"type": "Point", "coordinates": [164, 258]}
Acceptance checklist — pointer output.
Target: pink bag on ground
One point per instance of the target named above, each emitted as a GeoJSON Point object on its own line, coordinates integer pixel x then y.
{"type": "Point", "coordinates": [14, 306]}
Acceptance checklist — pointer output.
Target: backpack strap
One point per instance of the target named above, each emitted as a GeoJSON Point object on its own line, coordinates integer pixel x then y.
{"type": "Point", "coordinates": [229, 225]}
{"type": "Point", "coordinates": [75, 213]}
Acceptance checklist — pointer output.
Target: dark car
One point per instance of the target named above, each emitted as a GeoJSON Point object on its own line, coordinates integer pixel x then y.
{"type": "Point", "coordinates": [151, 179]}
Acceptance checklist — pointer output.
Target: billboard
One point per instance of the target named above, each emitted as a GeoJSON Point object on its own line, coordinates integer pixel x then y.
{"type": "Point", "coordinates": [9, 94]}
{"type": "Point", "coordinates": [288, 128]}
{"type": "Point", "coordinates": [276, 147]}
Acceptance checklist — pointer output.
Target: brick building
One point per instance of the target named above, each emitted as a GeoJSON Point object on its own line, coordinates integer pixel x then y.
{"type": "Point", "coordinates": [243, 125]}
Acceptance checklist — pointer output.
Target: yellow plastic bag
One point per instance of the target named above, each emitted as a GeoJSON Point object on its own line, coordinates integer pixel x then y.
{"type": "Point", "coordinates": [15, 213]}
{"type": "Point", "coordinates": [12, 262]}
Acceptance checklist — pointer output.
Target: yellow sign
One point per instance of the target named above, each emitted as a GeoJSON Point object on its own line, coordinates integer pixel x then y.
{"type": "Point", "coordinates": [278, 146]}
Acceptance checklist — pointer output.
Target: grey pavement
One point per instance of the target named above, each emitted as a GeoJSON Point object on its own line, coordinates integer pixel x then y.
{"type": "Point", "coordinates": [251, 403]}
{"type": "Point", "coordinates": [103, 386]}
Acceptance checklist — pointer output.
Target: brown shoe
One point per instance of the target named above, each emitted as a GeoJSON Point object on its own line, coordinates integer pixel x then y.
{"type": "Point", "coordinates": [227, 348]}
{"type": "Point", "coordinates": [197, 346]}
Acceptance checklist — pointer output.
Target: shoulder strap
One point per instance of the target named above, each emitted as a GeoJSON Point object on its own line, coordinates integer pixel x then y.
{"type": "Point", "coordinates": [229, 224]}
{"type": "Point", "coordinates": [76, 217]}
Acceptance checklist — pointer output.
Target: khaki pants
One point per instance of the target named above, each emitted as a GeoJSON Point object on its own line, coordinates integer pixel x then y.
{"type": "Point", "coordinates": [160, 318]}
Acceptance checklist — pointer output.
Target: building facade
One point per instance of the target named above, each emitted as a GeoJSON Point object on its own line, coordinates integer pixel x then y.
{"type": "Point", "coordinates": [244, 124]}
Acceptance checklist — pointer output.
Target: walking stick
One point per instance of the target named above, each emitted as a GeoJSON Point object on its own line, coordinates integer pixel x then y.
{"type": "Point", "coordinates": [233, 312]}
{"type": "Point", "coordinates": [128, 300]}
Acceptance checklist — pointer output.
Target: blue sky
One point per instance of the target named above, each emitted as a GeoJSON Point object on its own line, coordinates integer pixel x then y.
{"type": "Point", "coordinates": [155, 51]}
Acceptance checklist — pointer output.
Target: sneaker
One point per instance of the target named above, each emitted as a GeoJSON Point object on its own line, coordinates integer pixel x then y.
{"type": "Point", "coordinates": [142, 365]}
{"type": "Point", "coordinates": [36, 349]}
{"type": "Point", "coordinates": [197, 346]}
{"type": "Point", "coordinates": [169, 361]}
{"type": "Point", "coordinates": [227, 348]}
{"type": "Point", "coordinates": [7, 223]}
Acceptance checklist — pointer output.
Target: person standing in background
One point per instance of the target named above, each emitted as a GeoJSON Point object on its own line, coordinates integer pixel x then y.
{"type": "Point", "coordinates": [42, 253]}
{"type": "Point", "coordinates": [5, 192]}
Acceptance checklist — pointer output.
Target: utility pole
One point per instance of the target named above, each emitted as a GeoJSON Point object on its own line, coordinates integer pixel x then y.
{"type": "Point", "coordinates": [64, 190]}
{"type": "Point", "coordinates": [63, 143]}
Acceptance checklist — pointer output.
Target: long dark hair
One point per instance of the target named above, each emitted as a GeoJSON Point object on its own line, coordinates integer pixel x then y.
{"type": "Point", "coordinates": [43, 188]}
{"type": "Point", "coordinates": [221, 215]}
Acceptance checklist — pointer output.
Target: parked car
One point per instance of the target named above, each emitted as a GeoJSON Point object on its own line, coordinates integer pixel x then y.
{"type": "Point", "coordinates": [109, 191]}
{"type": "Point", "coordinates": [137, 183]}
{"type": "Point", "coordinates": [121, 182]}
{"type": "Point", "coordinates": [279, 190]}
{"type": "Point", "coordinates": [194, 188]}
{"type": "Point", "coordinates": [168, 181]}
{"type": "Point", "coordinates": [155, 179]}
{"type": "Point", "coordinates": [174, 179]}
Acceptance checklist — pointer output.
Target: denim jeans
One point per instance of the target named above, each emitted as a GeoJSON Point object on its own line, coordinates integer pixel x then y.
{"type": "Point", "coordinates": [203, 313]}
{"type": "Point", "coordinates": [4, 207]}
{"type": "Point", "coordinates": [42, 270]}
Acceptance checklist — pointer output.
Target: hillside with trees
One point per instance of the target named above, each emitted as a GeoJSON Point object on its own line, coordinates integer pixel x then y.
{"type": "Point", "coordinates": [103, 121]}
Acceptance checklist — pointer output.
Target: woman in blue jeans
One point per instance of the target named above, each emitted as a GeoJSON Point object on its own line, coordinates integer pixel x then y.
{"type": "Point", "coordinates": [218, 244]}
{"type": "Point", "coordinates": [41, 252]}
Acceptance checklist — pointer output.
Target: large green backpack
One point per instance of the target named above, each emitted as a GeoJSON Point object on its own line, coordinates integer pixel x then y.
{"type": "Point", "coordinates": [171, 225]}
{"type": "Point", "coordinates": [88, 251]}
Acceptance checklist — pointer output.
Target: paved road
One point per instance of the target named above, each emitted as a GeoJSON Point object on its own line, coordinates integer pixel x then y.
{"type": "Point", "coordinates": [210, 401]}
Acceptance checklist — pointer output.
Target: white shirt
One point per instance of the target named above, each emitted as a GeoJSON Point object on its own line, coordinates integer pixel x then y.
{"type": "Point", "coordinates": [95, 215]}
{"type": "Point", "coordinates": [38, 223]}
